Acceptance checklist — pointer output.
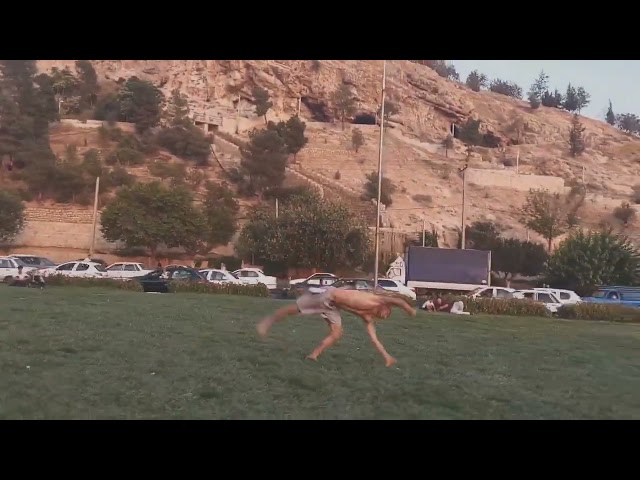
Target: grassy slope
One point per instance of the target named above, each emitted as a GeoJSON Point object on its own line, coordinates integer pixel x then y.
{"type": "Point", "coordinates": [112, 354]}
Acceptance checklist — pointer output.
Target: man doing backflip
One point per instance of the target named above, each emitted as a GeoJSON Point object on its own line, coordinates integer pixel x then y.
{"type": "Point", "coordinates": [366, 305]}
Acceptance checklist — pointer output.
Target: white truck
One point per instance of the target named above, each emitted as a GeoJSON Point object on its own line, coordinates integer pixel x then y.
{"type": "Point", "coordinates": [444, 269]}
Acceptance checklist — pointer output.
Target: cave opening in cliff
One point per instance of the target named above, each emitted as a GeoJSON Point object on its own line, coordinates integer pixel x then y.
{"type": "Point", "coordinates": [365, 118]}
{"type": "Point", "coordinates": [319, 110]}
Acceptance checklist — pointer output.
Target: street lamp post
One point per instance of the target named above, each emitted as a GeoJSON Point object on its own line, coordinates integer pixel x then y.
{"type": "Point", "coordinates": [377, 250]}
{"type": "Point", "coordinates": [464, 185]}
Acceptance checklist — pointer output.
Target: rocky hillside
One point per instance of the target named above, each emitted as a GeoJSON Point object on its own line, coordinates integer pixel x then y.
{"type": "Point", "coordinates": [428, 186]}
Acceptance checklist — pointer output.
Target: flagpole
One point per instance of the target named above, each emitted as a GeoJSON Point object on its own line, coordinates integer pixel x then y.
{"type": "Point", "coordinates": [377, 251]}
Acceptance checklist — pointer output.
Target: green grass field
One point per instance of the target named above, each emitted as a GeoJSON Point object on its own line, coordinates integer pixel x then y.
{"type": "Point", "coordinates": [85, 353]}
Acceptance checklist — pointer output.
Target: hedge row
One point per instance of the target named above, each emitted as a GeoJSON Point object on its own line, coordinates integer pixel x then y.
{"type": "Point", "coordinates": [528, 308]}
{"type": "Point", "coordinates": [174, 287]}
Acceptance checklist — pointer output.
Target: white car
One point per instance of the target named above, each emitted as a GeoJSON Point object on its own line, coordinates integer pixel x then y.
{"type": "Point", "coordinates": [82, 268]}
{"type": "Point", "coordinates": [567, 297]}
{"type": "Point", "coordinates": [9, 268]}
{"type": "Point", "coordinates": [314, 279]}
{"type": "Point", "coordinates": [255, 276]}
{"type": "Point", "coordinates": [396, 286]}
{"type": "Point", "coordinates": [549, 299]}
{"type": "Point", "coordinates": [492, 292]}
{"type": "Point", "coordinates": [215, 275]}
{"type": "Point", "coordinates": [33, 260]}
{"type": "Point", "coordinates": [126, 270]}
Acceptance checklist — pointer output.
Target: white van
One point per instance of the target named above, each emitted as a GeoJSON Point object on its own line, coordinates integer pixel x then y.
{"type": "Point", "coordinates": [566, 297]}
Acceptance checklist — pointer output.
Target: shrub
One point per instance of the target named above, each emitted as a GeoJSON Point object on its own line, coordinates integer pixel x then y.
{"type": "Point", "coordinates": [602, 312]}
{"type": "Point", "coordinates": [64, 281]}
{"type": "Point", "coordinates": [491, 306]}
{"type": "Point", "coordinates": [224, 289]}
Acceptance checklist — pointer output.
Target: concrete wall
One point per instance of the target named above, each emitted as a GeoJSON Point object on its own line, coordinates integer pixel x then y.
{"type": "Point", "coordinates": [61, 228]}
{"type": "Point", "coordinates": [509, 179]}
{"type": "Point", "coordinates": [94, 124]}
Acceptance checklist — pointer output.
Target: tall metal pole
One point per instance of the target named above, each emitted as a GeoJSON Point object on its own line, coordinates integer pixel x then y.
{"type": "Point", "coordinates": [464, 185]}
{"type": "Point", "coordinates": [377, 261]}
{"type": "Point", "coordinates": [95, 217]}
{"type": "Point", "coordinates": [423, 233]}
{"type": "Point", "coordinates": [276, 208]}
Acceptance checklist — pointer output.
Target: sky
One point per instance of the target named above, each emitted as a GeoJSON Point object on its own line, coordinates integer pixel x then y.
{"type": "Point", "coordinates": [615, 80]}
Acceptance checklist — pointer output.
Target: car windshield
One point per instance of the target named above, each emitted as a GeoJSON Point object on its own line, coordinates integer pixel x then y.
{"type": "Point", "coordinates": [477, 290]}
{"type": "Point", "coordinates": [99, 267]}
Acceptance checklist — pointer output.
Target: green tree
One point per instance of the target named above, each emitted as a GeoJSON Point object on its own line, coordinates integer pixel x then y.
{"type": "Point", "coordinates": [480, 235]}
{"type": "Point", "coordinates": [476, 81]}
{"type": "Point", "coordinates": [89, 86]}
{"type": "Point", "coordinates": [510, 89]}
{"type": "Point", "coordinates": [390, 109]}
{"type": "Point", "coordinates": [309, 232]}
{"type": "Point", "coordinates": [262, 102]}
{"type": "Point", "coordinates": [11, 216]}
{"type": "Point", "coordinates": [150, 215]}
{"type": "Point", "coordinates": [264, 159]}
{"type": "Point", "coordinates": [547, 214]}
{"type": "Point", "coordinates": [187, 142]}
{"type": "Point", "coordinates": [625, 213]}
{"type": "Point", "coordinates": [534, 101]}
{"type": "Point", "coordinates": [220, 211]}
{"type": "Point", "coordinates": [594, 258]}
{"type": "Point", "coordinates": [357, 139]}
{"type": "Point", "coordinates": [571, 100]}
{"type": "Point", "coordinates": [292, 134]}
{"type": "Point", "coordinates": [628, 122]}
{"type": "Point", "coordinates": [576, 137]}
{"type": "Point", "coordinates": [140, 102]}
{"type": "Point", "coordinates": [178, 109]}
{"type": "Point", "coordinates": [583, 98]}
{"type": "Point", "coordinates": [510, 257]}
{"type": "Point", "coordinates": [371, 189]}
{"type": "Point", "coordinates": [344, 102]}
{"type": "Point", "coordinates": [540, 85]}
{"type": "Point", "coordinates": [610, 117]}
{"type": "Point", "coordinates": [552, 100]}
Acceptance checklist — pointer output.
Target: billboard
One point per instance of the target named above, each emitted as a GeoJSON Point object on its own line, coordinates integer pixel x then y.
{"type": "Point", "coordinates": [447, 265]}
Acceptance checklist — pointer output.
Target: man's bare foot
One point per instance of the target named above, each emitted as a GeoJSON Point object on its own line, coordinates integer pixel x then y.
{"type": "Point", "coordinates": [312, 357]}
{"type": "Point", "coordinates": [390, 361]}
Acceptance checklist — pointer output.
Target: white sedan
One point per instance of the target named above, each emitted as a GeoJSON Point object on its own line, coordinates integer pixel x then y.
{"type": "Point", "coordinates": [215, 275]}
{"type": "Point", "coordinates": [126, 270]}
{"type": "Point", "coordinates": [76, 269]}
{"type": "Point", "coordinates": [311, 279]}
{"type": "Point", "coordinates": [549, 299]}
{"type": "Point", "coordinates": [396, 286]}
{"type": "Point", "coordinates": [9, 268]}
{"type": "Point", "coordinates": [255, 276]}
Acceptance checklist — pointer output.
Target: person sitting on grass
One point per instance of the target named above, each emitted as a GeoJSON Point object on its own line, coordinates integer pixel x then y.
{"type": "Point", "coordinates": [439, 305]}
{"type": "Point", "coordinates": [27, 280]}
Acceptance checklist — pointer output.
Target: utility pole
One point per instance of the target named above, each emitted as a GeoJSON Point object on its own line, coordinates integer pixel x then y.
{"type": "Point", "coordinates": [377, 250]}
{"type": "Point", "coordinates": [276, 208]}
{"type": "Point", "coordinates": [95, 217]}
{"type": "Point", "coordinates": [518, 161]}
{"type": "Point", "coordinates": [464, 186]}
{"type": "Point", "coordinates": [423, 233]}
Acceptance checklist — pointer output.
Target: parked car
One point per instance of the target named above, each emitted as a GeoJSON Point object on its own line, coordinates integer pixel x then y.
{"type": "Point", "coordinates": [122, 270]}
{"type": "Point", "coordinates": [34, 260]}
{"type": "Point", "coordinates": [84, 269]}
{"type": "Point", "coordinates": [549, 299]}
{"type": "Point", "coordinates": [255, 276]}
{"type": "Point", "coordinates": [491, 292]}
{"type": "Point", "coordinates": [567, 297]}
{"type": "Point", "coordinates": [617, 295]}
{"type": "Point", "coordinates": [158, 280]}
{"type": "Point", "coordinates": [215, 275]}
{"type": "Point", "coordinates": [9, 268]}
{"type": "Point", "coordinates": [315, 279]}
{"type": "Point", "coordinates": [385, 284]}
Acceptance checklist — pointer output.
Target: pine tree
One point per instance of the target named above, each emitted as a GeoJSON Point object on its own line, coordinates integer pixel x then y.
{"type": "Point", "coordinates": [571, 101]}
{"type": "Point", "coordinates": [576, 136]}
{"type": "Point", "coordinates": [583, 98]}
{"type": "Point", "coordinates": [610, 117]}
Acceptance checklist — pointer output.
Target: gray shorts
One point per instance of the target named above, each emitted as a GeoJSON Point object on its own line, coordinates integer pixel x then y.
{"type": "Point", "coordinates": [320, 304]}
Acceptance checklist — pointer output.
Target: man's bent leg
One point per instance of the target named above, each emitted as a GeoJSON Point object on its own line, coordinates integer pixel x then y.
{"type": "Point", "coordinates": [277, 316]}
{"type": "Point", "coordinates": [334, 320]}
{"type": "Point", "coordinates": [400, 303]}
{"type": "Point", "coordinates": [371, 330]}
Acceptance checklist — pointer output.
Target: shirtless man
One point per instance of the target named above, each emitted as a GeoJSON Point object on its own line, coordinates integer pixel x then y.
{"type": "Point", "coordinates": [366, 305]}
